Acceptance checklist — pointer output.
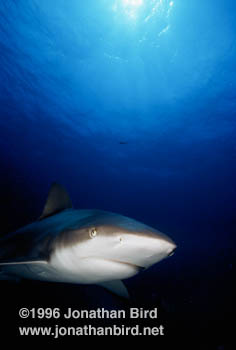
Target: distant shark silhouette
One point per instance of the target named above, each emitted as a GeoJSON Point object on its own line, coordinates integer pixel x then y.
{"type": "Point", "coordinates": [81, 246]}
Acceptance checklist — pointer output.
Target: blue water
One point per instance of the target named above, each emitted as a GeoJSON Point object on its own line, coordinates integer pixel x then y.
{"type": "Point", "coordinates": [131, 105]}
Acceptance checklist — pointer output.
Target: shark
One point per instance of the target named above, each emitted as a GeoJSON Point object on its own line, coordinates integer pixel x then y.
{"type": "Point", "coordinates": [81, 246]}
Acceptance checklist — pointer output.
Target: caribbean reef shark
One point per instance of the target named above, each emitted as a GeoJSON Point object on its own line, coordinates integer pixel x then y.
{"type": "Point", "coordinates": [81, 246]}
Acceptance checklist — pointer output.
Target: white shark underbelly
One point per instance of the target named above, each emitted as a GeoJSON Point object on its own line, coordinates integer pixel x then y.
{"type": "Point", "coordinates": [93, 269]}
{"type": "Point", "coordinates": [90, 271]}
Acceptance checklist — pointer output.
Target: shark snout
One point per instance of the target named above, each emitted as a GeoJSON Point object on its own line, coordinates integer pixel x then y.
{"type": "Point", "coordinates": [157, 249]}
{"type": "Point", "coordinates": [172, 248]}
{"type": "Point", "coordinates": [146, 248]}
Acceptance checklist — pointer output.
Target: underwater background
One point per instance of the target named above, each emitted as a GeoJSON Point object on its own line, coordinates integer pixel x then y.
{"type": "Point", "coordinates": [131, 105]}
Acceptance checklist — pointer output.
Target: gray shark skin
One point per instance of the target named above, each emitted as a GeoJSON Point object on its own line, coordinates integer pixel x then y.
{"type": "Point", "coordinates": [81, 246]}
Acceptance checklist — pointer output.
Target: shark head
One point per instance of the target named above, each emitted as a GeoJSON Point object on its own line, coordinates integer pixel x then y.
{"type": "Point", "coordinates": [106, 246]}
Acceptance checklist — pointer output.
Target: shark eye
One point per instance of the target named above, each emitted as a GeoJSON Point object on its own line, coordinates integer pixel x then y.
{"type": "Point", "coordinates": [93, 233]}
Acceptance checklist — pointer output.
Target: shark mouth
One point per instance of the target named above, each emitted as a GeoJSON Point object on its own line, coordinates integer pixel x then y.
{"type": "Point", "coordinates": [136, 267]}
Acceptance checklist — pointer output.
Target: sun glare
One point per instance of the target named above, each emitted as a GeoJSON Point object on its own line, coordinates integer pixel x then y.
{"type": "Point", "coordinates": [134, 3]}
{"type": "Point", "coordinates": [131, 7]}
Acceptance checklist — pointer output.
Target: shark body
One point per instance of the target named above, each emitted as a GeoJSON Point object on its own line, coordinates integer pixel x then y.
{"type": "Point", "coordinates": [81, 246]}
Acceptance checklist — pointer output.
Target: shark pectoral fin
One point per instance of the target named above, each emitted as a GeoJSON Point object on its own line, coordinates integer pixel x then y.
{"type": "Point", "coordinates": [8, 277]}
{"type": "Point", "coordinates": [117, 287]}
{"type": "Point", "coordinates": [58, 200]}
{"type": "Point", "coordinates": [22, 262]}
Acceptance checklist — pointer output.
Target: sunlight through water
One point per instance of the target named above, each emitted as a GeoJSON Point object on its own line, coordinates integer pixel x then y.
{"type": "Point", "coordinates": [134, 3]}
{"type": "Point", "coordinates": [142, 9]}
{"type": "Point", "coordinates": [129, 7]}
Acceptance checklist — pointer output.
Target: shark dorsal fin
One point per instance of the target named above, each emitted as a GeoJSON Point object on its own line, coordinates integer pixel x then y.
{"type": "Point", "coordinates": [58, 200]}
